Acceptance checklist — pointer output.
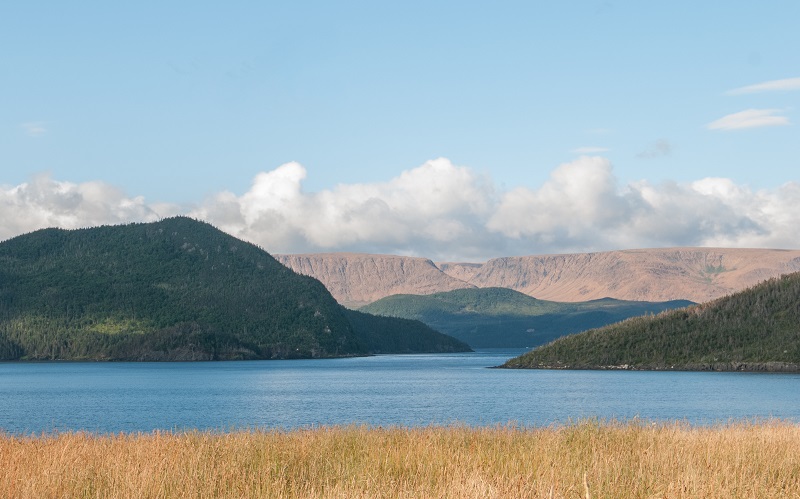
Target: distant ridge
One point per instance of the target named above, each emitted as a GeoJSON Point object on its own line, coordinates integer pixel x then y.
{"type": "Point", "coordinates": [695, 274]}
{"type": "Point", "coordinates": [654, 275]}
{"type": "Point", "coordinates": [504, 318]}
{"type": "Point", "coordinates": [356, 279]}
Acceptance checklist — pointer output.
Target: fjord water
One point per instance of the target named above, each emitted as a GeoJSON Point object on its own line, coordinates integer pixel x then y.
{"type": "Point", "coordinates": [408, 390]}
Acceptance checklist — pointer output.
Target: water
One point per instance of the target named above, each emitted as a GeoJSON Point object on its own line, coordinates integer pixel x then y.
{"type": "Point", "coordinates": [408, 390]}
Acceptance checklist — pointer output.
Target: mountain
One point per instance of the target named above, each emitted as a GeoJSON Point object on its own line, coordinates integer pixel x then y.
{"type": "Point", "coordinates": [695, 274]}
{"type": "Point", "coordinates": [357, 279]}
{"type": "Point", "coordinates": [500, 317]}
{"type": "Point", "coordinates": [752, 330]}
{"type": "Point", "coordinates": [654, 275]}
{"type": "Point", "coordinates": [177, 289]}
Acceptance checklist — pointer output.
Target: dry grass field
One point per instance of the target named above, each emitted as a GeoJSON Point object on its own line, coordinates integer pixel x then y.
{"type": "Point", "coordinates": [586, 459]}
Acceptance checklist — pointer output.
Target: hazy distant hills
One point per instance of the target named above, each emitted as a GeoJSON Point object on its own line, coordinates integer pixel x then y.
{"type": "Point", "coordinates": [501, 317]}
{"type": "Point", "coordinates": [177, 289]}
{"type": "Point", "coordinates": [757, 329]}
{"type": "Point", "coordinates": [654, 275]}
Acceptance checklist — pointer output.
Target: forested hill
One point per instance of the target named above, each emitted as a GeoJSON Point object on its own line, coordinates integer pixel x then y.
{"type": "Point", "coordinates": [754, 330]}
{"type": "Point", "coordinates": [500, 317]}
{"type": "Point", "coordinates": [177, 289]}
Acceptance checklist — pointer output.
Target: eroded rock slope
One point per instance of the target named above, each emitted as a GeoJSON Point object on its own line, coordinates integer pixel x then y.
{"type": "Point", "coordinates": [696, 274]}
{"type": "Point", "coordinates": [357, 279]}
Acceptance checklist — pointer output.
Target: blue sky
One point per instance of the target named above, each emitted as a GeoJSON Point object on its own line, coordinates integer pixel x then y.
{"type": "Point", "coordinates": [684, 114]}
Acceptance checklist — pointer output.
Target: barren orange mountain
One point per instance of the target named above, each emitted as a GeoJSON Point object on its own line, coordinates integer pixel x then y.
{"type": "Point", "coordinates": [696, 274]}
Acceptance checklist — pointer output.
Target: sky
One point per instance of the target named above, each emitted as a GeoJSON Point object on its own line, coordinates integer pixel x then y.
{"type": "Point", "coordinates": [457, 131]}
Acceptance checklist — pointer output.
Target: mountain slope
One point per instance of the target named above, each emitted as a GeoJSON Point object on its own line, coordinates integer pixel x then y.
{"type": "Point", "coordinates": [357, 279]}
{"type": "Point", "coordinates": [500, 317]}
{"type": "Point", "coordinates": [172, 290]}
{"type": "Point", "coordinates": [756, 329]}
{"type": "Point", "coordinates": [655, 275]}
{"type": "Point", "coordinates": [396, 335]}
{"type": "Point", "coordinates": [695, 274]}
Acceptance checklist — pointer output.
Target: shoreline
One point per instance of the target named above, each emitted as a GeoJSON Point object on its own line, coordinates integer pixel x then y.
{"type": "Point", "coordinates": [742, 367]}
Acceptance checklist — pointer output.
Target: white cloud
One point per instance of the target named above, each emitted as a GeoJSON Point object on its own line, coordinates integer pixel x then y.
{"type": "Point", "coordinates": [34, 128]}
{"type": "Point", "coordinates": [44, 202]}
{"type": "Point", "coordinates": [751, 118]}
{"type": "Point", "coordinates": [768, 86]}
{"type": "Point", "coordinates": [444, 211]}
{"type": "Point", "coordinates": [583, 208]}
{"type": "Point", "coordinates": [436, 203]}
{"type": "Point", "coordinates": [578, 198]}
{"type": "Point", "coordinates": [590, 150]}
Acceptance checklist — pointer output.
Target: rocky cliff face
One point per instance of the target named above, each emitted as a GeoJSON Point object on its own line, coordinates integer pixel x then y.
{"type": "Point", "coordinates": [358, 279]}
{"type": "Point", "coordinates": [461, 271]}
{"type": "Point", "coordinates": [696, 274]}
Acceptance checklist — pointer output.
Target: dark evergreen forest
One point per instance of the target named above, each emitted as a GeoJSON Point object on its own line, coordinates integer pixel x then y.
{"type": "Point", "coordinates": [177, 289]}
{"type": "Point", "coordinates": [504, 318]}
{"type": "Point", "coordinates": [754, 330]}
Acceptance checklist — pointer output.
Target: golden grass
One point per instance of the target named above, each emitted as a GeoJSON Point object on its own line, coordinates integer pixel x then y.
{"type": "Point", "coordinates": [613, 460]}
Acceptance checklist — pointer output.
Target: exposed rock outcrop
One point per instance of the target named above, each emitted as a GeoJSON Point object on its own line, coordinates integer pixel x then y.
{"type": "Point", "coordinates": [357, 279]}
{"type": "Point", "coordinates": [461, 271]}
{"type": "Point", "coordinates": [696, 274]}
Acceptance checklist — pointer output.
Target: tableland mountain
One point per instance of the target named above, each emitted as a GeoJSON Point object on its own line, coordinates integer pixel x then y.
{"type": "Point", "coordinates": [177, 289]}
{"type": "Point", "coordinates": [653, 275]}
{"type": "Point", "coordinates": [504, 318]}
{"type": "Point", "coordinates": [757, 329]}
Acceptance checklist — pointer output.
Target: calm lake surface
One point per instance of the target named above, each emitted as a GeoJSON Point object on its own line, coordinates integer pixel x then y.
{"type": "Point", "coordinates": [409, 390]}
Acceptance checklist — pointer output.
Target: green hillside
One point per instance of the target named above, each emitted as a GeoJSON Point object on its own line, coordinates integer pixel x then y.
{"type": "Point", "coordinates": [754, 330]}
{"type": "Point", "coordinates": [500, 317]}
{"type": "Point", "coordinates": [178, 289]}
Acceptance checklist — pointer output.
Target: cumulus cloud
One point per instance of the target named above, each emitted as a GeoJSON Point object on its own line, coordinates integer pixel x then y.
{"type": "Point", "coordinates": [423, 209]}
{"type": "Point", "coordinates": [768, 86]}
{"type": "Point", "coordinates": [577, 198]}
{"type": "Point", "coordinates": [751, 118]}
{"type": "Point", "coordinates": [582, 207]}
{"type": "Point", "coordinates": [44, 202]}
{"type": "Point", "coordinates": [444, 211]}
